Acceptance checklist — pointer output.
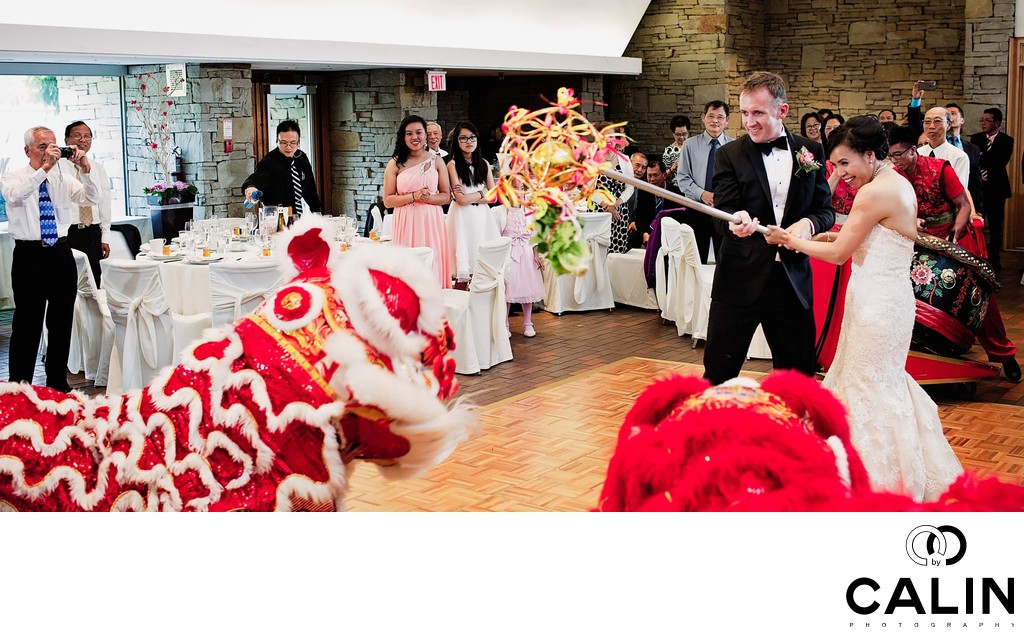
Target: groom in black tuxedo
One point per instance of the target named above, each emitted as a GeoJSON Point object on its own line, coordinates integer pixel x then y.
{"type": "Point", "coordinates": [762, 178]}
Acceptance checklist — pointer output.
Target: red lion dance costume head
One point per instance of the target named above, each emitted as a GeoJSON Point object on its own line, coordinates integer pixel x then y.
{"type": "Point", "coordinates": [783, 445]}
{"type": "Point", "coordinates": [347, 361]}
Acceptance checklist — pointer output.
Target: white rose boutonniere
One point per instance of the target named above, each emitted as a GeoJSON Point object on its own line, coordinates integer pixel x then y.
{"type": "Point", "coordinates": [805, 162]}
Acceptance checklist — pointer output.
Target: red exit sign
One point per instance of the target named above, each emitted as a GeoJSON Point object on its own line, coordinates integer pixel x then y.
{"type": "Point", "coordinates": [436, 81]}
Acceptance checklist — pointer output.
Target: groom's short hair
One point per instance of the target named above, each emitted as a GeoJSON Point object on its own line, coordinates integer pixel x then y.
{"type": "Point", "coordinates": [774, 84]}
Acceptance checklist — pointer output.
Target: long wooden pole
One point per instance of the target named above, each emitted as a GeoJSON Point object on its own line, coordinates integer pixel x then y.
{"type": "Point", "coordinates": [679, 199]}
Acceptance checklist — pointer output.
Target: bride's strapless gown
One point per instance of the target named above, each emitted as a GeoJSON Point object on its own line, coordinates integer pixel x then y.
{"type": "Point", "coordinates": [894, 424]}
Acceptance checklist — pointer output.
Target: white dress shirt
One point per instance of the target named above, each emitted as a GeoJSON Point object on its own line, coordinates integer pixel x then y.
{"type": "Point", "coordinates": [956, 157]}
{"type": "Point", "coordinates": [101, 209]}
{"type": "Point", "coordinates": [20, 188]}
{"type": "Point", "coordinates": [779, 166]}
{"type": "Point", "coordinates": [693, 164]}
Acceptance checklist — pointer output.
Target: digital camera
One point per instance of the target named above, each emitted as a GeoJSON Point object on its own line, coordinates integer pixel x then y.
{"type": "Point", "coordinates": [67, 152]}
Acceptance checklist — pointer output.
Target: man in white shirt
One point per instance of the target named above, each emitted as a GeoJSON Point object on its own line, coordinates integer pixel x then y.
{"type": "Point", "coordinates": [43, 274]}
{"type": "Point", "coordinates": [90, 225]}
{"type": "Point", "coordinates": [936, 124]}
{"type": "Point", "coordinates": [434, 137]}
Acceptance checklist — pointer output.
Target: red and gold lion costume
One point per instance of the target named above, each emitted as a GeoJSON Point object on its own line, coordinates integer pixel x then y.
{"type": "Point", "coordinates": [783, 445]}
{"type": "Point", "coordinates": [347, 361]}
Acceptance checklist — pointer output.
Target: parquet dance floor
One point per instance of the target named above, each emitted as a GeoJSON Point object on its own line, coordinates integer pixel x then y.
{"type": "Point", "coordinates": [547, 449]}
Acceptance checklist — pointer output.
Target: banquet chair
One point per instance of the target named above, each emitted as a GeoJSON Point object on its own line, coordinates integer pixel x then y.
{"type": "Point", "coordinates": [477, 317]}
{"type": "Point", "coordinates": [143, 335]}
{"type": "Point", "coordinates": [92, 331]}
{"type": "Point", "coordinates": [187, 325]}
{"type": "Point", "coordinates": [425, 253]}
{"type": "Point", "coordinates": [591, 291]}
{"type": "Point", "coordinates": [387, 226]}
{"type": "Point", "coordinates": [119, 247]}
{"type": "Point", "coordinates": [629, 285]}
{"type": "Point", "coordinates": [238, 287]}
{"type": "Point", "coordinates": [667, 267]}
{"type": "Point", "coordinates": [700, 304]}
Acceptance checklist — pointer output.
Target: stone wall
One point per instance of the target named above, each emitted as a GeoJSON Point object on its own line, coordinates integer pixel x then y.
{"type": "Point", "coordinates": [989, 29]}
{"type": "Point", "coordinates": [97, 102]}
{"type": "Point", "coordinates": [365, 110]}
{"type": "Point", "coordinates": [682, 45]}
{"type": "Point", "coordinates": [849, 55]}
{"type": "Point", "coordinates": [214, 93]}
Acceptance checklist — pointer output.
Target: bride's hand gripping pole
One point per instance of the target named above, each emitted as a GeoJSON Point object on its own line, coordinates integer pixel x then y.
{"type": "Point", "coordinates": [679, 199]}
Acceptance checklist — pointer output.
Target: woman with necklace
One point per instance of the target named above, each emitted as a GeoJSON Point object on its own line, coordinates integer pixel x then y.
{"type": "Point", "coordinates": [893, 423]}
{"type": "Point", "coordinates": [416, 186]}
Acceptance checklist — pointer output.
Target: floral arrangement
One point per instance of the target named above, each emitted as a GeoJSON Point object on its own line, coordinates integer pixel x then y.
{"type": "Point", "coordinates": [551, 157]}
{"type": "Point", "coordinates": [172, 191]}
{"type": "Point", "coordinates": [153, 108]}
{"type": "Point", "coordinates": [805, 162]}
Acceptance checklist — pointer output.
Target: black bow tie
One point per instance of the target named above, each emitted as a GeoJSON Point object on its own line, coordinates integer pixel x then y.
{"type": "Point", "coordinates": [766, 147]}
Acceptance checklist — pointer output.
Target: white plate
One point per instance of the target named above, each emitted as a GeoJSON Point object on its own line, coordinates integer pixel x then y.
{"type": "Point", "coordinates": [166, 257]}
{"type": "Point", "coordinates": [203, 260]}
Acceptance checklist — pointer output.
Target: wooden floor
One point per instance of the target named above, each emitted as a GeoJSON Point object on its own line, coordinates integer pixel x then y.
{"type": "Point", "coordinates": [548, 418]}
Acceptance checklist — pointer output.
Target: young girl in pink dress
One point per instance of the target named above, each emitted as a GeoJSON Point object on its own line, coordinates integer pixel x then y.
{"type": "Point", "coordinates": [523, 281]}
{"type": "Point", "coordinates": [416, 186]}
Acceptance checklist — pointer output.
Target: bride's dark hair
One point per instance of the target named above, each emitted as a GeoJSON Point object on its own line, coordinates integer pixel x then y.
{"type": "Point", "coordinates": [861, 133]}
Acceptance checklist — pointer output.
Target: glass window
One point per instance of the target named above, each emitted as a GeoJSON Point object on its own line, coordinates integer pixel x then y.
{"type": "Point", "coordinates": [55, 102]}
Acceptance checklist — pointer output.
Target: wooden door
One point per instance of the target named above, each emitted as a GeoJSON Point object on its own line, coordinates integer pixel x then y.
{"type": "Point", "coordinates": [1013, 125]}
{"type": "Point", "coordinates": [318, 135]}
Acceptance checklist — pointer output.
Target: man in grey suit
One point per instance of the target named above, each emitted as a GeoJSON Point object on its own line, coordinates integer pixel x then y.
{"type": "Point", "coordinates": [696, 165]}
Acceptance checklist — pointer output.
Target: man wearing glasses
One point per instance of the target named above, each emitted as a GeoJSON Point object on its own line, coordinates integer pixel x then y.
{"type": "Point", "coordinates": [285, 175]}
{"type": "Point", "coordinates": [43, 274]}
{"type": "Point", "coordinates": [996, 150]}
{"type": "Point", "coordinates": [90, 225]}
{"type": "Point", "coordinates": [696, 165]}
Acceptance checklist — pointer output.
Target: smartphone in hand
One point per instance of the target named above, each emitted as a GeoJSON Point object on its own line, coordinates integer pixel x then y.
{"type": "Point", "coordinates": [927, 86]}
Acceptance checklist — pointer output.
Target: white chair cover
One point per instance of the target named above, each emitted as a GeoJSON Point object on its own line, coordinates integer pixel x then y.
{"type": "Point", "coordinates": [119, 247]}
{"type": "Point", "coordinates": [92, 332]}
{"type": "Point", "coordinates": [426, 253]}
{"type": "Point", "coordinates": [238, 287]}
{"type": "Point", "coordinates": [689, 286]}
{"type": "Point", "coordinates": [477, 317]}
{"type": "Point", "coordinates": [456, 308]}
{"type": "Point", "coordinates": [487, 309]}
{"type": "Point", "coordinates": [378, 222]}
{"type": "Point", "coordinates": [667, 266]}
{"type": "Point", "coordinates": [142, 326]}
{"type": "Point", "coordinates": [591, 291]}
{"type": "Point", "coordinates": [388, 225]}
{"type": "Point", "coordinates": [187, 319]}
{"type": "Point", "coordinates": [629, 285]}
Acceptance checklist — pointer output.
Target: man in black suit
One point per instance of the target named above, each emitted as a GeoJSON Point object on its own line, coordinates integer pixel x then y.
{"type": "Point", "coordinates": [763, 176]}
{"type": "Point", "coordinates": [996, 150]}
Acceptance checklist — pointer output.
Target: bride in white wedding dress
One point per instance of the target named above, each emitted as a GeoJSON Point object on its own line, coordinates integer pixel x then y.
{"type": "Point", "coordinates": [894, 424]}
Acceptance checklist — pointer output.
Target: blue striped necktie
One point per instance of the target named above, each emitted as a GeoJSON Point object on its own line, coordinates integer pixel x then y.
{"type": "Point", "coordinates": [47, 218]}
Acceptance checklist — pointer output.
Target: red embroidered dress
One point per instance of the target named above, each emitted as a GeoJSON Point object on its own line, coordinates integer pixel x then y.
{"type": "Point", "coordinates": [935, 184]}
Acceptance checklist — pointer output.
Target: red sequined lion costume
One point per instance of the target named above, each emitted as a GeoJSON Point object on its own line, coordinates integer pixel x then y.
{"type": "Point", "coordinates": [347, 361]}
{"type": "Point", "coordinates": [781, 445]}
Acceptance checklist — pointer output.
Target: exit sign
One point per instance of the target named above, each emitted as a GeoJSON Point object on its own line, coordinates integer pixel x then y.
{"type": "Point", "coordinates": [436, 81]}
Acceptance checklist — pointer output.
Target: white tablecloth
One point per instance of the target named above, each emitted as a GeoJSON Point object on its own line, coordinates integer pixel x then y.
{"type": "Point", "coordinates": [187, 285]}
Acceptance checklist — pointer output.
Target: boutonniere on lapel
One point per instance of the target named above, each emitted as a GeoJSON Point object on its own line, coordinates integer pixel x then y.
{"type": "Point", "coordinates": [805, 162]}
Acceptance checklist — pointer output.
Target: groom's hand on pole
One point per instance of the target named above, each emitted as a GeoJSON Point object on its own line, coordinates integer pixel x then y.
{"type": "Point", "coordinates": [743, 226]}
{"type": "Point", "coordinates": [802, 229]}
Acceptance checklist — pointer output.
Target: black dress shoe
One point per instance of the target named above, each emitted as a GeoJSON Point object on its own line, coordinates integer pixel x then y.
{"type": "Point", "coordinates": [1012, 370]}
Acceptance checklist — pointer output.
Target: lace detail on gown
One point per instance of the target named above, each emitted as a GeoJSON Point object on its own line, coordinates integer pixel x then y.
{"type": "Point", "coordinates": [894, 424]}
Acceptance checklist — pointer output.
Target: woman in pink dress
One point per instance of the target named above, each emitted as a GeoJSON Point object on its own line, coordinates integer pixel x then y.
{"type": "Point", "coordinates": [416, 186]}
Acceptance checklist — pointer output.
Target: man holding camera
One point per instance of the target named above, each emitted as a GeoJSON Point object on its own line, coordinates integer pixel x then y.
{"type": "Point", "coordinates": [43, 274]}
{"type": "Point", "coordinates": [90, 225]}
